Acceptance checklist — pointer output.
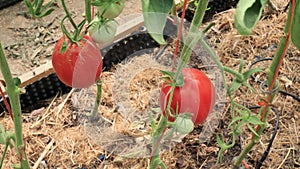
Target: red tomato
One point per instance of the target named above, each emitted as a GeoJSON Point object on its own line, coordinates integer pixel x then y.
{"type": "Point", "coordinates": [196, 96]}
{"type": "Point", "coordinates": [80, 65]}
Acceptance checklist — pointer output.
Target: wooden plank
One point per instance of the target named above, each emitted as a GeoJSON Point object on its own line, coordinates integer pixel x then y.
{"type": "Point", "coordinates": [36, 74]}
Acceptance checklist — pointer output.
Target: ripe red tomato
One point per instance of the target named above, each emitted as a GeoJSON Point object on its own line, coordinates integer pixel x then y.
{"type": "Point", "coordinates": [196, 96]}
{"type": "Point", "coordinates": [79, 65]}
{"type": "Point", "coordinates": [111, 9]}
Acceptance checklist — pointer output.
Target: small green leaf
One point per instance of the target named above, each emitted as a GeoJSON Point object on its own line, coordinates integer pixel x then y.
{"type": "Point", "coordinates": [235, 119]}
{"type": "Point", "coordinates": [295, 32]}
{"type": "Point", "coordinates": [250, 87]}
{"type": "Point", "coordinates": [241, 65]}
{"type": "Point", "coordinates": [247, 15]}
{"type": "Point", "coordinates": [152, 121]}
{"type": "Point", "coordinates": [252, 130]}
{"type": "Point", "coordinates": [167, 73]}
{"type": "Point", "coordinates": [248, 73]}
{"type": "Point", "coordinates": [242, 112]}
{"type": "Point", "coordinates": [255, 120]}
{"type": "Point", "coordinates": [184, 124]}
{"type": "Point", "coordinates": [234, 86]}
{"type": "Point", "coordinates": [155, 14]}
{"type": "Point", "coordinates": [46, 13]}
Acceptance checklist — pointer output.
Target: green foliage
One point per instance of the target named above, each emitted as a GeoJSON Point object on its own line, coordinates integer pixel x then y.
{"type": "Point", "coordinates": [295, 32]}
{"type": "Point", "coordinates": [155, 14]}
{"type": "Point", "coordinates": [168, 75]}
{"type": "Point", "coordinates": [247, 14]}
{"type": "Point", "coordinates": [37, 9]}
{"type": "Point", "coordinates": [241, 78]}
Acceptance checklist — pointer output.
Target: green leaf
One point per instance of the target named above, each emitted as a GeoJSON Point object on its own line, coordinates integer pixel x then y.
{"type": "Point", "coordinates": [184, 124]}
{"type": "Point", "coordinates": [243, 113]}
{"type": "Point", "coordinates": [241, 66]}
{"type": "Point", "coordinates": [167, 74]}
{"type": "Point", "coordinates": [250, 87]}
{"type": "Point", "coordinates": [155, 14]}
{"type": "Point", "coordinates": [30, 7]}
{"type": "Point", "coordinates": [247, 15]}
{"type": "Point", "coordinates": [295, 32]}
{"type": "Point", "coordinates": [46, 13]}
{"type": "Point", "coordinates": [235, 119]}
{"type": "Point", "coordinates": [248, 73]}
{"type": "Point", "coordinates": [234, 86]}
{"type": "Point", "coordinates": [252, 130]}
{"type": "Point", "coordinates": [255, 120]}
{"type": "Point", "coordinates": [152, 121]}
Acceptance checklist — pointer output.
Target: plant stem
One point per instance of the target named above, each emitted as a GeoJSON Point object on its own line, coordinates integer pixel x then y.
{"type": "Point", "coordinates": [272, 76]}
{"type": "Point", "coordinates": [68, 14]}
{"type": "Point", "coordinates": [6, 104]}
{"type": "Point", "coordinates": [159, 133]}
{"type": "Point", "coordinates": [191, 41]}
{"type": "Point", "coordinates": [195, 25]}
{"type": "Point", "coordinates": [88, 12]}
{"type": "Point", "coordinates": [14, 97]}
{"type": "Point", "coordinates": [179, 31]}
{"type": "Point", "coordinates": [94, 114]}
{"type": "Point", "coordinates": [76, 30]}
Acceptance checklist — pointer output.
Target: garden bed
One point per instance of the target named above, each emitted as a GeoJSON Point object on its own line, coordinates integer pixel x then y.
{"type": "Point", "coordinates": [56, 134]}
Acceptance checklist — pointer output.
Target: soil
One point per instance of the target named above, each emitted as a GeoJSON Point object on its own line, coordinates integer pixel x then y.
{"type": "Point", "coordinates": [58, 136]}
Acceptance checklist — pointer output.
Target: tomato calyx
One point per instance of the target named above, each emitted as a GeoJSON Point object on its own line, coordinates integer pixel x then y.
{"type": "Point", "coordinates": [77, 35]}
{"type": "Point", "coordinates": [168, 76]}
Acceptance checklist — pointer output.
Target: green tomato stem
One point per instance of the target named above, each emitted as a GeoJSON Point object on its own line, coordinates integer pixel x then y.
{"type": "Point", "coordinates": [195, 25]}
{"type": "Point", "coordinates": [75, 36]}
{"type": "Point", "coordinates": [94, 114]}
{"type": "Point", "coordinates": [163, 123]}
{"type": "Point", "coordinates": [14, 97]}
{"type": "Point", "coordinates": [271, 77]}
{"type": "Point", "coordinates": [88, 12]}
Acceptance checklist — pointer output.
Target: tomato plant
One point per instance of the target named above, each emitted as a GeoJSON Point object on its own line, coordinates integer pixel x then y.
{"type": "Point", "coordinates": [110, 9]}
{"type": "Point", "coordinates": [79, 64]}
{"type": "Point", "coordinates": [196, 96]}
{"type": "Point", "coordinates": [102, 31]}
